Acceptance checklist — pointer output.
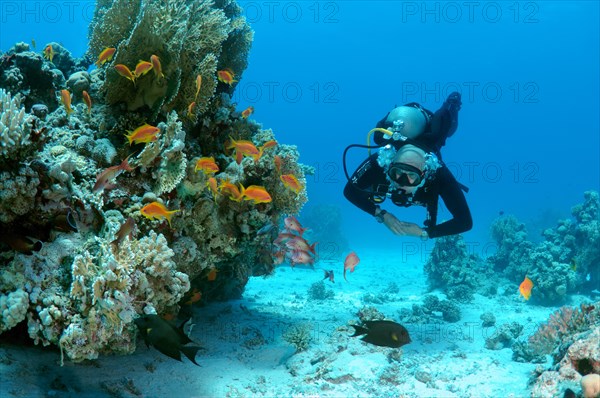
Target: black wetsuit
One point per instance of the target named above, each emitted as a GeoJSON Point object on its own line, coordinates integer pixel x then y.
{"type": "Point", "coordinates": [369, 185]}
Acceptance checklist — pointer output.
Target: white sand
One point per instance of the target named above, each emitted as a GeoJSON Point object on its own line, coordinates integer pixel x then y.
{"type": "Point", "coordinates": [245, 354]}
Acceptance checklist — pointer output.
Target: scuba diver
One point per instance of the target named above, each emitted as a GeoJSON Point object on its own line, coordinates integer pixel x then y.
{"type": "Point", "coordinates": [408, 170]}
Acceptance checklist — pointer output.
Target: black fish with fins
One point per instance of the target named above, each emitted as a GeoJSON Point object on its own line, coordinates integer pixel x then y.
{"type": "Point", "coordinates": [383, 333]}
{"type": "Point", "coordinates": [165, 337]}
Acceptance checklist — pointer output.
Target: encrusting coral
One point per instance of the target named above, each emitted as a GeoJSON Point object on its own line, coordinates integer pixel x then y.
{"type": "Point", "coordinates": [75, 188]}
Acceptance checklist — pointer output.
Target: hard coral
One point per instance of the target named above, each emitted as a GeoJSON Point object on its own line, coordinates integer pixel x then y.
{"type": "Point", "coordinates": [15, 128]}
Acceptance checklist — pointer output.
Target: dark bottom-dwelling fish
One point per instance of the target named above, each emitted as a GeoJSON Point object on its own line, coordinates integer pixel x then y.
{"type": "Point", "coordinates": [165, 337]}
{"type": "Point", "coordinates": [383, 333]}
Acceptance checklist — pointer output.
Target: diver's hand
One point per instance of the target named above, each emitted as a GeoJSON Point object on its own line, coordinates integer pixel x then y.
{"type": "Point", "coordinates": [400, 227]}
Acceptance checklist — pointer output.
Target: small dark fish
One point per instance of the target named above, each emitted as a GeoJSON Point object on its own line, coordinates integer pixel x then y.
{"type": "Point", "coordinates": [383, 333]}
{"type": "Point", "coordinates": [126, 230]}
{"type": "Point", "coordinates": [165, 337]}
{"type": "Point", "coordinates": [570, 393]}
{"type": "Point", "coordinates": [501, 213]}
{"type": "Point", "coordinates": [329, 275]}
{"type": "Point", "coordinates": [22, 244]}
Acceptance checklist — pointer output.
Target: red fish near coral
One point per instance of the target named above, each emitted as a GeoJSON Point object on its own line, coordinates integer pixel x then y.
{"type": "Point", "coordinates": [145, 133]}
{"type": "Point", "coordinates": [226, 76]}
{"type": "Point", "coordinates": [111, 173]}
{"type": "Point", "coordinates": [247, 112]}
{"type": "Point", "coordinates": [158, 211]}
{"type": "Point", "coordinates": [525, 288]}
{"type": "Point", "coordinates": [243, 148]}
{"type": "Point", "coordinates": [227, 188]}
{"type": "Point", "coordinates": [49, 52]}
{"type": "Point", "coordinates": [291, 182]}
{"type": "Point", "coordinates": [126, 230]}
{"type": "Point", "coordinates": [256, 193]}
{"type": "Point", "coordinates": [88, 101]}
{"type": "Point", "coordinates": [350, 263]}
{"type": "Point", "coordinates": [142, 68]}
{"type": "Point", "coordinates": [65, 96]}
{"type": "Point", "coordinates": [198, 85]}
{"type": "Point", "coordinates": [124, 71]}
{"type": "Point", "coordinates": [212, 185]}
{"type": "Point", "coordinates": [207, 165]}
{"type": "Point", "coordinates": [105, 56]}
{"type": "Point", "coordinates": [292, 224]}
{"type": "Point", "coordinates": [157, 67]}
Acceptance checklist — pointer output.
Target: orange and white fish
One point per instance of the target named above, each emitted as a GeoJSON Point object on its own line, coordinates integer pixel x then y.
{"type": "Point", "coordinates": [350, 263]}
{"type": "Point", "coordinates": [158, 211]}
{"type": "Point", "coordinates": [227, 188]}
{"type": "Point", "coordinates": [207, 165]}
{"type": "Point", "coordinates": [105, 56]}
{"type": "Point", "coordinates": [243, 148]}
{"type": "Point", "coordinates": [49, 52]}
{"type": "Point", "coordinates": [525, 288]}
{"type": "Point", "coordinates": [291, 182]}
{"type": "Point", "coordinates": [226, 76]}
{"type": "Point", "coordinates": [247, 112]}
{"type": "Point", "coordinates": [299, 243]}
{"type": "Point", "coordinates": [256, 193]}
{"type": "Point", "coordinates": [291, 223]}
{"type": "Point", "coordinates": [124, 71]}
{"type": "Point", "coordinates": [300, 257]}
{"type": "Point", "coordinates": [198, 85]}
{"type": "Point", "coordinates": [142, 68]}
{"type": "Point", "coordinates": [65, 97]}
{"type": "Point", "coordinates": [156, 66]}
{"type": "Point", "coordinates": [145, 133]}
{"type": "Point", "coordinates": [110, 174]}
{"type": "Point", "coordinates": [88, 101]}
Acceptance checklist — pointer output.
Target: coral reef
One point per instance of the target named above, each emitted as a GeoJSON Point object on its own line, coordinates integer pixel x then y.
{"type": "Point", "coordinates": [69, 179]}
{"type": "Point", "coordinates": [567, 260]}
{"type": "Point", "coordinates": [453, 269]}
{"type": "Point", "coordinates": [299, 336]}
{"type": "Point", "coordinates": [318, 291]}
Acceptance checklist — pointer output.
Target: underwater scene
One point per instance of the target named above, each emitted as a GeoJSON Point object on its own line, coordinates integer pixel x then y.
{"type": "Point", "coordinates": [221, 198]}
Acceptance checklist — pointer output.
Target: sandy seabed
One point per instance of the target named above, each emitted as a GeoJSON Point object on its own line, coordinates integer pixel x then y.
{"type": "Point", "coordinates": [245, 355]}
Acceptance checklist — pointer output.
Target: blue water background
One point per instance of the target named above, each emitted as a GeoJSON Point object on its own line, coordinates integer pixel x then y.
{"type": "Point", "coordinates": [321, 74]}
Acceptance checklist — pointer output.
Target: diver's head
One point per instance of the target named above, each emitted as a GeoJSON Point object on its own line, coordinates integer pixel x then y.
{"type": "Point", "coordinates": [407, 169]}
{"type": "Point", "coordinates": [408, 121]}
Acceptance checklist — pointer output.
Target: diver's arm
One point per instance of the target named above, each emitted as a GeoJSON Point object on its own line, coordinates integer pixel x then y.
{"type": "Point", "coordinates": [357, 189]}
{"type": "Point", "coordinates": [455, 202]}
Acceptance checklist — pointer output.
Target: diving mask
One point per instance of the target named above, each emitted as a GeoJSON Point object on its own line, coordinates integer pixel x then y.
{"type": "Point", "coordinates": [405, 175]}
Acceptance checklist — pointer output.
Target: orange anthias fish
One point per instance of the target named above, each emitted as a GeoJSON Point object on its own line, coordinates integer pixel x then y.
{"type": "Point", "coordinates": [291, 182]}
{"type": "Point", "coordinates": [525, 288]}
{"type": "Point", "coordinates": [256, 193]}
{"type": "Point", "coordinates": [190, 109]}
{"type": "Point", "coordinates": [88, 101]}
{"type": "Point", "coordinates": [270, 144]}
{"type": "Point", "coordinates": [65, 96]}
{"type": "Point", "coordinates": [198, 85]}
{"type": "Point", "coordinates": [278, 162]}
{"type": "Point", "coordinates": [49, 52]}
{"type": "Point", "coordinates": [145, 133]}
{"type": "Point", "coordinates": [243, 148]}
{"type": "Point", "coordinates": [227, 188]}
{"type": "Point", "coordinates": [156, 66]}
{"type": "Point", "coordinates": [247, 112]}
{"type": "Point", "coordinates": [124, 71]}
{"type": "Point", "coordinates": [158, 211]}
{"type": "Point", "coordinates": [192, 296]}
{"type": "Point", "coordinates": [212, 185]}
{"type": "Point", "coordinates": [142, 68]}
{"type": "Point", "coordinates": [350, 263]}
{"type": "Point", "coordinates": [111, 173]}
{"type": "Point", "coordinates": [105, 56]}
{"type": "Point", "coordinates": [291, 223]}
{"type": "Point", "coordinates": [226, 76]}
{"type": "Point", "coordinates": [212, 275]}
{"type": "Point", "coordinates": [207, 165]}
